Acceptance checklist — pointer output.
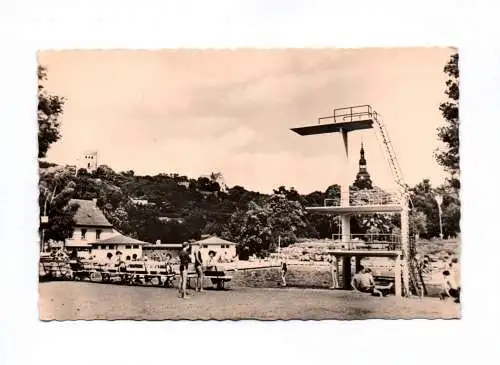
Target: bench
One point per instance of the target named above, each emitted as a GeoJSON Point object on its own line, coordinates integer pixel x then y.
{"type": "Point", "coordinates": [218, 278]}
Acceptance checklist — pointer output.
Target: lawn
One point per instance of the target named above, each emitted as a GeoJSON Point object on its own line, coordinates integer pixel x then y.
{"type": "Point", "coordinates": [84, 300]}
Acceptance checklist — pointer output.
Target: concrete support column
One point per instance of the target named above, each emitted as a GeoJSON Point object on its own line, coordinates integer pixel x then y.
{"type": "Point", "coordinates": [358, 263]}
{"type": "Point", "coordinates": [345, 180]}
{"type": "Point", "coordinates": [346, 272]}
{"type": "Point", "coordinates": [397, 277]}
{"type": "Point", "coordinates": [405, 245]}
{"type": "Point", "coordinates": [346, 230]}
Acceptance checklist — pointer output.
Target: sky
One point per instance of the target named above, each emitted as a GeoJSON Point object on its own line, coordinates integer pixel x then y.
{"type": "Point", "coordinates": [194, 112]}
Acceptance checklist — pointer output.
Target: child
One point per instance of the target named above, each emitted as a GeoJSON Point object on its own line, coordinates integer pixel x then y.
{"type": "Point", "coordinates": [284, 269]}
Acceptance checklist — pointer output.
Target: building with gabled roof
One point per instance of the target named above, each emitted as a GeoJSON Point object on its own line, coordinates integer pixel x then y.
{"type": "Point", "coordinates": [223, 248]}
{"type": "Point", "coordinates": [130, 248]}
{"type": "Point", "coordinates": [90, 225]}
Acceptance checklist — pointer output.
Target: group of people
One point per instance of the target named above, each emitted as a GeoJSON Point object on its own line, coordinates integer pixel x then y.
{"type": "Point", "coordinates": [192, 255]}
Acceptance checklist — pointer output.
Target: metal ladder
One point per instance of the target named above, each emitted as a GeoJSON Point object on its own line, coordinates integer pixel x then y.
{"type": "Point", "coordinates": [417, 285]}
{"type": "Point", "coordinates": [389, 152]}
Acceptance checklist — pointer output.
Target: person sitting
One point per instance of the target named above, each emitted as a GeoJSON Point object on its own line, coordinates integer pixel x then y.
{"type": "Point", "coordinates": [110, 262]}
{"type": "Point", "coordinates": [450, 288]}
{"type": "Point", "coordinates": [168, 264]}
{"type": "Point", "coordinates": [120, 263]}
{"type": "Point", "coordinates": [364, 282]}
{"type": "Point", "coordinates": [211, 264]}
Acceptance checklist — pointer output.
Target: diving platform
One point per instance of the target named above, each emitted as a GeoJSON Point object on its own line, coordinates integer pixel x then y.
{"type": "Point", "coordinates": [334, 127]}
{"type": "Point", "coordinates": [365, 253]}
{"type": "Point", "coordinates": [348, 119]}
{"type": "Point", "coordinates": [352, 201]}
{"type": "Point", "coordinates": [368, 201]}
{"type": "Point", "coordinates": [359, 209]}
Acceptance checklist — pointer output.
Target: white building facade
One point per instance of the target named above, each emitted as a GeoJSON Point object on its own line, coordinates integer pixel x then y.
{"type": "Point", "coordinates": [223, 249]}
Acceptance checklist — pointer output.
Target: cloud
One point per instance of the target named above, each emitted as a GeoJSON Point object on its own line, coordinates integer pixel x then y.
{"type": "Point", "coordinates": [197, 111]}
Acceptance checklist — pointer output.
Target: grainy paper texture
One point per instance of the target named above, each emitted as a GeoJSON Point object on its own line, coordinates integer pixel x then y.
{"type": "Point", "coordinates": [249, 184]}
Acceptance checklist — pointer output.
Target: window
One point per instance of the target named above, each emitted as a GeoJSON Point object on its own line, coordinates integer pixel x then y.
{"type": "Point", "coordinates": [128, 246]}
{"type": "Point", "coordinates": [84, 233]}
{"type": "Point", "coordinates": [110, 247]}
{"type": "Point", "coordinates": [72, 234]}
{"type": "Point", "coordinates": [102, 247]}
{"type": "Point", "coordinates": [136, 246]}
{"type": "Point", "coordinates": [127, 258]}
{"type": "Point", "coordinates": [98, 234]}
{"type": "Point", "coordinates": [205, 246]}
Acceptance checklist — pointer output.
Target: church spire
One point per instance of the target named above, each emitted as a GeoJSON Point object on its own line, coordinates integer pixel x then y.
{"type": "Point", "coordinates": [363, 180]}
{"type": "Point", "coordinates": [362, 161]}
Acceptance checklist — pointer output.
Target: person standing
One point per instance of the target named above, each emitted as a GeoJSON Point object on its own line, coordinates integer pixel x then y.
{"type": "Point", "coordinates": [284, 270]}
{"type": "Point", "coordinates": [455, 271]}
{"type": "Point", "coordinates": [450, 287]}
{"type": "Point", "coordinates": [185, 260]}
{"type": "Point", "coordinates": [334, 271]}
{"type": "Point", "coordinates": [198, 266]}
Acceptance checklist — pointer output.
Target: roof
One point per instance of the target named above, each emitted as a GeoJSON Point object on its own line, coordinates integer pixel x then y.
{"type": "Point", "coordinates": [88, 214]}
{"type": "Point", "coordinates": [214, 240]}
{"type": "Point", "coordinates": [120, 239]}
{"type": "Point", "coordinates": [163, 245]}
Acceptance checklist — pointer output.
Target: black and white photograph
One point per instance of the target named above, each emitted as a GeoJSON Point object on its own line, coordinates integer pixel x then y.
{"type": "Point", "coordinates": [284, 184]}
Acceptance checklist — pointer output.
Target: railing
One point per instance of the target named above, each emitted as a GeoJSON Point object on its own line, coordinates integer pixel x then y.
{"type": "Point", "coordinates": [368, 241]}
{"type": "Point", "coordinates": [351, 114]}
{"type": "Point", "coordinates": [366, 197]}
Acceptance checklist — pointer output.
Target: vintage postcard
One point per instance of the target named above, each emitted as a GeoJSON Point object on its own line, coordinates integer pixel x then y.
{"type": "Point", "coordinates": [249, 184]}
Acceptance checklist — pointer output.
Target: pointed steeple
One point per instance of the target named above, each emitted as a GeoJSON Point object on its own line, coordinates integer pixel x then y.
{"type": "Point", "coordinates": [363, 180]}
{"type": "Point", "coordinates": [362, 161]}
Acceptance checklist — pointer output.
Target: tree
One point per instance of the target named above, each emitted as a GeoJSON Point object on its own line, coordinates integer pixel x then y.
{"type": "Point", "coordinates": [56, 189]}
{"type": "Point", "coordinates": [449, 157]}
{"type": "Point", "coordinates": [250, 228]}
{"type": "Point", "coordinates": [50, 109]}
{"type": "Point", "coordinates": [424, 202]}
{"type": "Point", "coordinates": [418, 223]}
{"type": "Point", "coordinates": [286, 220]}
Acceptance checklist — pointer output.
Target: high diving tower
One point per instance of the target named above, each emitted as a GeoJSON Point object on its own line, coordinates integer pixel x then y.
{"type": "Point", "coordinates": [345, 121]}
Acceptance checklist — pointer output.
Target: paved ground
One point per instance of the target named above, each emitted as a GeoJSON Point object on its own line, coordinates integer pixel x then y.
{"type": "Point", "coordinates": [82, 300]}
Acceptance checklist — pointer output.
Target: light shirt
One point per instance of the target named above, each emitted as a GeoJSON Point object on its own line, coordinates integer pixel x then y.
{"type": "Point", "coordinates": [449, 282]}
{"type": "Point", "coordinates": [211, 261]}
{"type": "Point", "coordinates": [455, 272]}
{"type": "Point", "coordinates": [364, 280]}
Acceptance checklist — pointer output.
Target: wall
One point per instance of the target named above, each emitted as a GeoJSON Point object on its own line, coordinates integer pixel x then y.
{"type": "Point", "coordinates": [101, 253]}
{"type": "Point", "coordinates": [305, 276]}
{"type": "Point", "coordinates": [297, 276]}
{"type": "Point", "coordinates": [90, 236]}
{"type": "Point", "coordinates": [160, 252]}
{"type": "Point", "coordinates": [86, 159]}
